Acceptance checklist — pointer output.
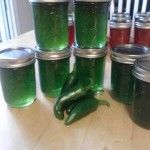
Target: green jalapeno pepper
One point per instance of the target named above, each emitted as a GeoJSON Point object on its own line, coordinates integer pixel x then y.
{"type": "Point", "coordinates": [68, 97]}
{"type": "Point", "coordinates": [83, 108]}
{"type": "Point", "coordinates": [70, 81]}
{"type": "Point", "coordinates": [71, 107]}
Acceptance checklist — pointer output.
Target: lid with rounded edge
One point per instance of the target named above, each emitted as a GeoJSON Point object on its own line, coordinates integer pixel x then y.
{"type": "Point", "coordinates": [90, 53]}
{"type": "Point", "coordinates": [128, 53]}
{"type": "Point", "coordinates": [120, 23]}
{"type": "Point", "coordinates": [16, 57]}
{"type": "Point", "coordinates": [140, 14]}
{"type": "Point", "coordinates": [121, 14]}
{"type": "Point", "coordinates": [143, 23]}
{"type": "Point", "coordinates": [92, 0]}
{"type": "Point", "coordinates": [52, 55]}
{"type": "Point", "coordinates": [47, 1]}
{"type": "Point", "coordinates": [141, 69]}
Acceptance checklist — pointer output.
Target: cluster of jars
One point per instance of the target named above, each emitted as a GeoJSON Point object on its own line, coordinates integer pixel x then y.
{"type": "Point", "coordinates": [120, 27]}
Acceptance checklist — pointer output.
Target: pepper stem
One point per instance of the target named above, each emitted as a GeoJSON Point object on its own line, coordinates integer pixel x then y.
{"type": "Point", "coordinates": [104, 102]}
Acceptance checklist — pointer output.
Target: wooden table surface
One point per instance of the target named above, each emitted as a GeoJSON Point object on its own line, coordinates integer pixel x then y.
{"type": "Point", "coordinates": [36, 128]}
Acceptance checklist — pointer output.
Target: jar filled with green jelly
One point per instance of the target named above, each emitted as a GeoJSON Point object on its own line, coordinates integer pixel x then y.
{"type": "Point", "coordinates": [90, 65]}
{"type": "Point", "coordinates": [123, 57]}
{"type": "Point", "coordinates": [141, 96]}
{"type": "Point", "coordinates": [17, 74]}
{"type": "Point", "coordinates": [51, 24]}
{"type": "Point", "coordinates": [53, 70]}
{"type": "Point", "coordinates": [91, 23]}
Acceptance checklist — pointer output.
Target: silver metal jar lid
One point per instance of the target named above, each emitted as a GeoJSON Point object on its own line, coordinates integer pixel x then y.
{"type": "Point", "coordinates": [140, 14]}
{"type": "Point", "coordinates": [141, 69]}
{"type": "Point", "coordinates": [16, 57]}
{"type": "Point", "coordinates": [93, 1]}
{"type": "Point", "coordinates": [47, 1]}
{"type": "Point", "coordinates": [143, 23]}
{"type": "Point", "coordinates": [52, 55]}
{"type": "Point", "coordinates": [122, 23]}
{"type": "Point", "coordinates": [128, 53]}
{"type": "Point", "coordinates": [120, 14]}
{"type": "Point", "coordinates": [90, 53]}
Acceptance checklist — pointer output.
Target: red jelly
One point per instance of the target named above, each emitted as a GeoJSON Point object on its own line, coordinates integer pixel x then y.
{"type": "Point", "coordinates": [119, 32]}
{"type": "Point", "coordinates": [142, 32]}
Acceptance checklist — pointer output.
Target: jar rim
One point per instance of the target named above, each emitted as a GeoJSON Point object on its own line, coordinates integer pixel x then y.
{"type": "Point", "coordinates": [48, 1]}
{"type": "Point", "coordinates": [44, 55]}
{"type": "Point", "coordinates": [128, 53]}
{"type": "Point", "coordinates": [141, 69]}
{"type": "Point", "coordinates": [142, 25]}
{"type": "Point", "coordinates": [90, 53]}
{"type": "Point", "coordinates": [120, 24]}
{"type": "Point", "coordinates": [93, 1]}
{"type": "Point", "coordinates": [16, 57]}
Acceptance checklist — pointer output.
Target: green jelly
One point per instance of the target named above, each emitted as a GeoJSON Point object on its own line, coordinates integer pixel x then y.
{"type": "Point", "coordinates": [51, 24]}
{"type": "Point", "coordinates": [90, 65]}
{"type": "Point", "coordinates": [17, 75]}
{"type": "Point", "coordinates": [141, 98]}
{"type": "Point", "coordinates": [91, 23]}
{"type": "Point", "coordinates": [53, 70]}
{"type": "Point", "coordinates": [122, 80]}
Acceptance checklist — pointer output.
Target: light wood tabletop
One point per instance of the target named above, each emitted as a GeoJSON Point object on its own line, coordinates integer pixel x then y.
{"type": "Point", "coordinates": [36, 128]}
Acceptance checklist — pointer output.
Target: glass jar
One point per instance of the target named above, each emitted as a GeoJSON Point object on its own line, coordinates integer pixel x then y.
{"type": "Point", "coordinates": [51, 24]}
{"type": "Point", "coordinates": [120, 32]}
{"type": "Point", "coordinates": [17, 75]}
{"type": "Point", "coordinates": [141, 98]}
{"type": "Point", "coordinates": [122, 81]}
{"type": "Point", "coordinates": [142, 32]}
{"type": "Point", "coordinates": [53, 70]}
{"type": "Point", "coordinates": [90, 65]}
{"type": "Point", "coordinates": [91, 23]}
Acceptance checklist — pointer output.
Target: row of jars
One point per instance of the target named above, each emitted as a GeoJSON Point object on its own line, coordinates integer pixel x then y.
{"type": "Point", "coordinates": [51, 23]}
{"type": "Point", "coordinates": [120, 28]}
{"type": "Point", "coordinates": [130, 79]}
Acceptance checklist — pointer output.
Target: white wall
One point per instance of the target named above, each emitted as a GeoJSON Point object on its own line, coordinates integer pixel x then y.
{"type": "Point", "coordinates": [23, 16]}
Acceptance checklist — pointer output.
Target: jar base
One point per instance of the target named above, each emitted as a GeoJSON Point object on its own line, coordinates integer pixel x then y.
{"type": "Point", "coordinates": [21, 105]}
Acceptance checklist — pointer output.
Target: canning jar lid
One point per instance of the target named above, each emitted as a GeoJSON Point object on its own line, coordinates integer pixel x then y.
{"type": "Point", "coordinates": [43, 55]}
{"type": "Point", "coordinates": [121, 15]}
{"type": "Point", "coordinates": [141, 69]}
{"type": "Point", "coordinates": [90, 53]}
{"type": "Point", "coordinates": [120, 23]}
{"type": "Point", "coordinates": [47, 1]}
{"type": "Point", "coordinates": [16, 57]}
{"type": "Point", "coordinates": [140, 14]}
{"type": "Point", "coordinates": [143, 23]}
{"type": "Point", "coordinates": [93, 1]}
{"type": "Point", "coordinates": [128, 53]}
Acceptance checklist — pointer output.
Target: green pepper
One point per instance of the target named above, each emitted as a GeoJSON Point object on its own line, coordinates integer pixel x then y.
{"type": "Point", "coordinates": [68, 97]}
{"type": "Point", "coordinates": [70, 81]}
{"type": "Point", "coordinates": [82, 109]}
{"type": "Point", "coordinates": [71, 107]}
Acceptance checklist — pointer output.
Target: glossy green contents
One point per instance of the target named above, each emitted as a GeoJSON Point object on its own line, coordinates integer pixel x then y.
{"type": "Point", "coordinates": [83, 108]}
{"type": "Point", "coordinates": [68, 97]}
{"type": "Point", "coordinates": [18, 85]}
{"type": "Point", "coordinates": [122, 82]}
{"type": "Point", "coordinates": [51, 25]}
{"type": "Point", "coordinates": [93, 69]}
{"type": "Point", "coordinates": [91, 24]}
{"type": "Point", "coordinates": [52, 75]}
{"type": "Point", "coordinates": [141, 103]}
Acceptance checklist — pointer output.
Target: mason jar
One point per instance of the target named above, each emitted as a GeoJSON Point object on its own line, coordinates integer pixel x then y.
{"type": "Point", "coordinates": [120, 31]}
{"type": "Point", "coordinates": [91, 23]}
{"type": "Point", "coordinates": [51, 24]}
{"type": "Point", "coordinates": [90, 65]}
{"type": "Point", "coordinates": [141, 98]}
{"type": "Point", "coordinates": [17, 76]}
{"type": "Point", "coordinates": [53, 70]}
{"type": "Point", "coordinates": [142, 31]}
{"type": "Point", "coordinates": [122, 80]}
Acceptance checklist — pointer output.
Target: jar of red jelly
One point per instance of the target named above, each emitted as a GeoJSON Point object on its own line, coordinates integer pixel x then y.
{"type": "Point", "coordinates": [120, 31]}
{"type": "Point", "coordinates": [71, 29]}
{"type": "Point", "coordinates": [142, 31]}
